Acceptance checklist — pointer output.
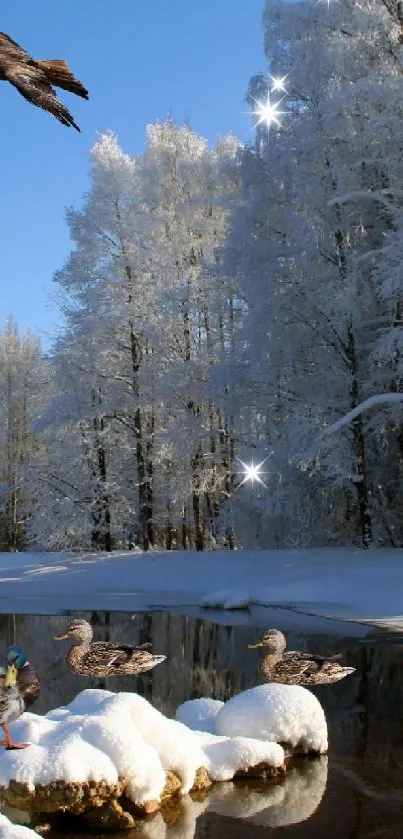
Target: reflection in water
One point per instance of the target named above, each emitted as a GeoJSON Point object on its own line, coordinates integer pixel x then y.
{"type": "Point", "coordinates": [364, 713]}
{"type": "Point", "coordinates": [293, 801]}
{"type": "Point", "coordinates": [288, 803]}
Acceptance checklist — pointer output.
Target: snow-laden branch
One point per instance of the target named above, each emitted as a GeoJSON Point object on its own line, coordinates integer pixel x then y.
{"type": "Point", "coordinates": [378, 399]}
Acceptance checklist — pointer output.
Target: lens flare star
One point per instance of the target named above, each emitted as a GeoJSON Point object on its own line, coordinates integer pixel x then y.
{"type": "Point", "coordinates": [268, 112]}
{"type": "Point", "coordinates": [278, 84]}
{"type": "Point", "coordinates": [252, 472]}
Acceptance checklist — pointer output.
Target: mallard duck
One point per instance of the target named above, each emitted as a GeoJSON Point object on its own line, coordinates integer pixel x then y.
{"type": "Point", "coordinates": [105, 658]}
{"type": "Point", "coordinates": [19, 689]}
{"type": "Point", "coordinates": [295, 668]}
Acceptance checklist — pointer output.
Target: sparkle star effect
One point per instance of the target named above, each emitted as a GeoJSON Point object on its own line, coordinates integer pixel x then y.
{"type": "Point", "coordinates": [268, 112]}
{"type": "Point", "coordinates": [278, 84]}
{"type": "Point", "coordinates": [252, 472]}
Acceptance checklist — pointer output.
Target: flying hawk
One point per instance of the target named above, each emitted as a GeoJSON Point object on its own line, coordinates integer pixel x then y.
{"type": "Point", "coordinates": [34, 79]}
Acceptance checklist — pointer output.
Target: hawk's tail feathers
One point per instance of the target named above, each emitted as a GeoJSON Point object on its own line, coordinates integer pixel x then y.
{"type": "Point", "coordinates": [59, 74]}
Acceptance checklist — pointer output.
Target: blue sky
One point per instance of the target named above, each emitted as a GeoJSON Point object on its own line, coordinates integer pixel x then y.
{"type": "Point", "coordinates": [140, 60]}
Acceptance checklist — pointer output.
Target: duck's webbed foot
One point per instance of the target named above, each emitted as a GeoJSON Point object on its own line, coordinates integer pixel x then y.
{"type": "Point", "coordinates": [11, 746]}
{"type": "Point", "coordinates": [8, 742]}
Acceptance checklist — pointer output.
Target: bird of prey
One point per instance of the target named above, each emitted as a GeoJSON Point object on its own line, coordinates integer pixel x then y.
{"type": "Point", "coordinates": [34, 79]}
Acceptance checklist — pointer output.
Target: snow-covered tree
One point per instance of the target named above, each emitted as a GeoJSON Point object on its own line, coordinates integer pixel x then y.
{"type": "Point", "coordinates": [149, 314]}
{"type": "Point", "coordinates": [320, 198]}
{"type": "Point", "coordinates": [23, 389]}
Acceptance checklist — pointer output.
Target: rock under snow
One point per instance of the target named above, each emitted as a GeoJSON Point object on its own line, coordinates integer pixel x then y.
{"type": "Point", "coordinates": [227, 598]}
{"type": "Point", "coordinates": [287, 714]}
{"type": "Point", "coordinates": [105, 748]}
{"type": "Point", "coordinates": [199, 714]}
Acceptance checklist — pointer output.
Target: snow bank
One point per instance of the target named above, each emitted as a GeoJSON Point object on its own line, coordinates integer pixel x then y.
{"type": "Point", "coordinates": [226, 598]}
{"type": "Point", "coordinates": [338, 583]}
{"type": "Point", "coordinates": [199, 714]}
{"type": "Point", "coordinates": [102, 736]}
{"type": "Point", "coordinates": [281, 713]}
{"type": "Point", "coordinates": [8, 830]}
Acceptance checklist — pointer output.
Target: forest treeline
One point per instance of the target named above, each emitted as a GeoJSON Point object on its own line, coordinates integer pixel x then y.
{"type": "Point", "coordinates": [228, 303]}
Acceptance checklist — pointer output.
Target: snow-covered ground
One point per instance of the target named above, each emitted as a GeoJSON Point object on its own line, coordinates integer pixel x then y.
{"type": "Point", "coordinates": [334, 583]}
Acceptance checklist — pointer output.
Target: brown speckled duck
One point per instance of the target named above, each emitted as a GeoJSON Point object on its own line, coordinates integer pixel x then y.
{"type": "Point", "coordinates": [296, 668]}
{"type": "Point", "coordinates": [105, 658]}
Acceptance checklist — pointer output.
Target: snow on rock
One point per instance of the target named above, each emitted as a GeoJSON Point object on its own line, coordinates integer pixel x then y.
{"type": "Point", "coordinates": [281, 713]}
{"type": "Point", "coordinates": [199, 714]}
{"type": "Point", "coordinates": [104, 744]}
{"type": "Point", "coordinates": [227, 756]}
{"type": "Point", "coordinates": [8, 830]}
{"type": "Point", "coordinates": [226, 598]}
{"type": "Point", "coordinates": [103, 737]}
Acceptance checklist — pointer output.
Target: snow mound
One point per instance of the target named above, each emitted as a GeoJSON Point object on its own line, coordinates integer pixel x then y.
{"type": "Point", "coordinates": [8, 830]}
{"type": "Point", "coordinates": [227, 755]}
{"type": "Point", "coordinates": [199, 714]}
{"type": "Point", "coordinates": [227, 598]}
{"type": "Point", "coordinates": [102, 736]}
{"type": "Point", "coordinates": [281, 713]}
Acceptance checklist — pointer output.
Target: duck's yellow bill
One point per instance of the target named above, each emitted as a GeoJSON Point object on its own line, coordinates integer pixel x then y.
{"type": "Point", "coordinates": [61, 636]}
{"type": "Point", "coordinates": [11, 676]}
{"type": "Point", "coordinates": [256, 644]}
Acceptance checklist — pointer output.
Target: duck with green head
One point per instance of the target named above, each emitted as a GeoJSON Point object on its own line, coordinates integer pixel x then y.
{"type": "Point", "coordinates": [19, 689]}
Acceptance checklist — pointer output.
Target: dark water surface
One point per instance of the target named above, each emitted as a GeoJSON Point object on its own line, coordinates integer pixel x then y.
{"type": "Point", "coordinates": [357, 791]}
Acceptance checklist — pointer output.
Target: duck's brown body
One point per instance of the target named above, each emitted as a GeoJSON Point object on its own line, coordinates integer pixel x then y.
{"type": "Point", "coordinates": [297, 668]}
{"type": "Point", "coordinates": [105, 658]}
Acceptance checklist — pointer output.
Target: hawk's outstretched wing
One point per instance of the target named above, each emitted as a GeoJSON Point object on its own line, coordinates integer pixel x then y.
{"type": "Point", "coordinates": [34, 79]}
{"type": "Point", "coordinates": [10, 50]}
{"type": "Point", "coordinates": [34, 86]}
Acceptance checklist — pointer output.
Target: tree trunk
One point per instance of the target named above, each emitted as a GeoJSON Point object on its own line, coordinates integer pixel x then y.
{"type": "Point", "coordinates": [197, 516]}
{"type": "Point", "coordinates": [361, 481]}
{"type": "Point", "coordinates": [184, 528]}
{"type": "Point", "coordinates": [141, 475]}
{"type": "Point", "coordinates": [149, 481]}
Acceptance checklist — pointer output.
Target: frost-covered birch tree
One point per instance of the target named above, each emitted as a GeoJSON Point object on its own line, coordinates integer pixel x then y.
{"type": "Point", "coordinates": [148, 310]}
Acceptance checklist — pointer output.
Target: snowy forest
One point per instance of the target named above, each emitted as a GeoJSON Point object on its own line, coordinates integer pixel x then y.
{"type": "Point", "coordinates": [228, 303]}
